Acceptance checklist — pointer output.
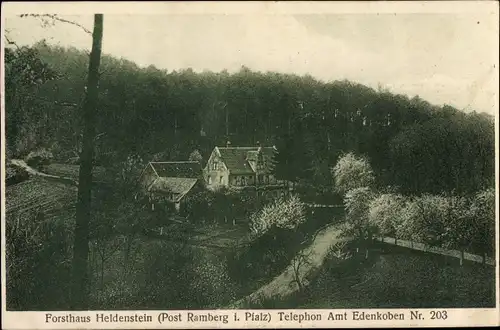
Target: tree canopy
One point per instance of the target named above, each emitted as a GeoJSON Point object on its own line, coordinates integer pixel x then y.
{"type": "Point", "coordinates": [409, 142]}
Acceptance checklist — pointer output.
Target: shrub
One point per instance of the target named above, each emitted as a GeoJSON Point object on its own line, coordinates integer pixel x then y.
{"type": "Point", "coordinates": [39, 157]}
{"type": "Point", "coordinates": [14, 174]}
{"type": "Point", "coordinates": [211, 284]}
{"type": "Point", "coordinates": [38, 255]}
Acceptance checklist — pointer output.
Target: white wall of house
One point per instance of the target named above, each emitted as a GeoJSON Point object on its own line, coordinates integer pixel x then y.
{"type": "Point", "coordinates": [216, 173]}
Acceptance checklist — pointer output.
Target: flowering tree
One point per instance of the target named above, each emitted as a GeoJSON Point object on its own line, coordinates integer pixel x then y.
{"type": "Point", "coordinates": [357, 203]}
{"type": "Point", "coordinates": [282, 213]}
{"type": "Point", "coordinates": [482, 211]}
{"type": "Point", "coordinates": [429, 224]}
{"type": "Point", "coordinates": [406, 225]}
{"type": "Point", "coordinates": [384, 212]}
{"type": "Point", "coordinates": [352, 172]}
{"type": "Point", "coordinates": [458, 225]}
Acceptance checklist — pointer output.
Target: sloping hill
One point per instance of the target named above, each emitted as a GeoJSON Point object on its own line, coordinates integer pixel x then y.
{"type": "Point", "coordinates": [39, 195]}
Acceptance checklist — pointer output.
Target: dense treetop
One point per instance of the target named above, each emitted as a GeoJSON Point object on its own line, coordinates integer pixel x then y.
{"type": "Point", "coordinates": [158, 114]}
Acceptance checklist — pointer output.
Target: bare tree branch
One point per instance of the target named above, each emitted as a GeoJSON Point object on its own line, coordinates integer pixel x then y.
{"type": "Point", "coordinates": [10, 42]}
{"type": "Point", "coordinates": [57, 18]}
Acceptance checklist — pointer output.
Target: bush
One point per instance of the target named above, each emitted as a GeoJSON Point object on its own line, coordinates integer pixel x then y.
{"type": "Point", "coordinates": [39, 157]}
{"type": "Point", "coordinates": [211, 285]}
{"type": "Point", "coordinates": [38, 255]}
{"type": "Point", "coordinates": [14, 174]}
{"type": "Point", "coordinates": [266, 256]}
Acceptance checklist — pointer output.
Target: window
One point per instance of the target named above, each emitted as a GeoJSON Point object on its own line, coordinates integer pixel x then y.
{"type": "Point", "coordinates": [209, 180]}
{"type": "Point", "coordinates": [220, 179]}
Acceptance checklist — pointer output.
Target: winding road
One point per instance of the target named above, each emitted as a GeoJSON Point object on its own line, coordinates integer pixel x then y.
{"type": "Point", "coordinates": [32, 171]}
{"type": "Point", "coordinates": [284, 284]}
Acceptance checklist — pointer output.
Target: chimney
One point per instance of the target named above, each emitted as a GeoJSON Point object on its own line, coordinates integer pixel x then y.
{"type": "Point", "coordinates": [259, 149]}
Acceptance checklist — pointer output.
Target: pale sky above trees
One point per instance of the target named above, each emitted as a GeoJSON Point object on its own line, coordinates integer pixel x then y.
{"type": "Point", "coordinates": [445, 58]}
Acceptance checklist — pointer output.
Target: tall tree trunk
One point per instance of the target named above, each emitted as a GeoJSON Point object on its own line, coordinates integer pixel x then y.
{"type": "Point", "coordinates": [79, 287]}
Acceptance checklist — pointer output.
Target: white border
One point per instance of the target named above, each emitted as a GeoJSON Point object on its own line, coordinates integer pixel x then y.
{"type": "Point", "coordinates": [456, 317]}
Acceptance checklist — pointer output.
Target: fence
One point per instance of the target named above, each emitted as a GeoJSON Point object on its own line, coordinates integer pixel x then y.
{"type": "Point", "coordinates": [437, 250]}
{"type": "Point", "coordinates": [324, 205]}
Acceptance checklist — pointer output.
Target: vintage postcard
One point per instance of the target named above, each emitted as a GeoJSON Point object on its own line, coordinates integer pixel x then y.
{"type": "Point", "coordinates": [194, 165]}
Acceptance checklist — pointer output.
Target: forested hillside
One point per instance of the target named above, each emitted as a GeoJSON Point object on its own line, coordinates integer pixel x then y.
{"type": "Point", "coordinates": [159, 114]}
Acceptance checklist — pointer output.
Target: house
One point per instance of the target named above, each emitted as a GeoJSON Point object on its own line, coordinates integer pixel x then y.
{"type": "Point", "coordinates": [244, 167]}
{"type": "Point", "coordinates": [171, 182]}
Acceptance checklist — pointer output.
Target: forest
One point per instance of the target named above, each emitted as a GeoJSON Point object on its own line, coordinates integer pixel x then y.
{"type": "Point", "coordinates": [165, 115]}
{"type": "Point", "coordinates": [415, 157]}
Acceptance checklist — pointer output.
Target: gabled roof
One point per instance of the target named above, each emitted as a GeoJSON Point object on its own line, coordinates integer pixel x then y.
{"type": "Point", "coordinates": [237, 159]}
{"type": "Point", "coordinates": [187, 169]}
{"type": "Point", "coordinates": [177, 186]}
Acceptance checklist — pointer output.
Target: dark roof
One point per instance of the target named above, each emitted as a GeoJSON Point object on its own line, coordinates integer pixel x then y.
{"type": "Point", "coordinates": [237, 159]}
{"type": "Point", "coordinates": [185, 169]}
{"type": "Point", "coordinates": [178, 186]}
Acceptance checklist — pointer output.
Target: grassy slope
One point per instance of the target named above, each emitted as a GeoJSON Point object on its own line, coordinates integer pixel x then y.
{"type": "Point", "coordinates": [38, 194]}
{"type": "Point", "coordinates": [404, 279]}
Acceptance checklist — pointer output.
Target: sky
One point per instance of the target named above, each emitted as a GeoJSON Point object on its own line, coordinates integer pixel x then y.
{"type": "Point", "coordinates": [443, 57]}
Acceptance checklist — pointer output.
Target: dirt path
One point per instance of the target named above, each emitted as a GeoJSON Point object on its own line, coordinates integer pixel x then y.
{"type": "Point", "coordinates": [32, 171]}
{"type": "Point", "coordinates": [284, 284]}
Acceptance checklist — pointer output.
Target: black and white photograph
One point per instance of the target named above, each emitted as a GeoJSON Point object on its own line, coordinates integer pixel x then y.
{"type": "Point", "coordinates": [324, 163]}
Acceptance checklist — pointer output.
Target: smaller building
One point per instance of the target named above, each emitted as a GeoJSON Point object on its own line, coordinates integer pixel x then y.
{"type": "Point", "coordinates": [170, 182]}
